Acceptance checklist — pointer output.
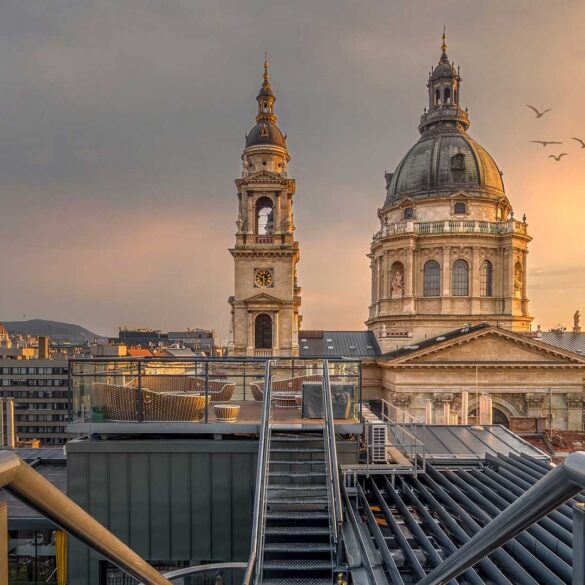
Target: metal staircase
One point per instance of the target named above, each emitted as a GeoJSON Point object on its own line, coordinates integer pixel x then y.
{"type": "Point", "coordinates": [298, 541]}
{"type": "Point", "coordinates": [297, 511]}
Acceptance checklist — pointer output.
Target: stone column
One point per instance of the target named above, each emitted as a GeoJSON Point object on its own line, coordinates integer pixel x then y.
{"type": "Point", "coordinates": [277, 213]}
{"type": "Point", "coordinates": [250, 346]}
{"type": "Point", "coordinates": [275, 333]}
{"type": "Point", "coordinates": [464, 407]}
{"type": "Point", "coordinates": [574, 411]}
{"type": "Point", "coordinates": [251, 218]}
{"type": "Point", "coordinates": [446, 280]}
{"type": "Point", "coordinates": [409, 281]}
{"type": "Point", "coordinates": [534, 403]}
{"type": "Point", "coordinates": [475, 289]}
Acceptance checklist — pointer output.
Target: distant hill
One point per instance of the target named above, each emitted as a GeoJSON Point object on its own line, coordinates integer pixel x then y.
{"type": "Point", "coordinates": [55, 330]}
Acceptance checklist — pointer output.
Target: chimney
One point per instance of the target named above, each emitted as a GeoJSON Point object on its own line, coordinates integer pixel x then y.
{"type": "Point", "coordinates": [43, 348]}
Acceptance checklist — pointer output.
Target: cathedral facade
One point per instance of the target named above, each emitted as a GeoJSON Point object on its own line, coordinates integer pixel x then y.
{"type": "Point", "coordinates": [265, 307]}
{"type": "Point", "coordinates": [449, 251]}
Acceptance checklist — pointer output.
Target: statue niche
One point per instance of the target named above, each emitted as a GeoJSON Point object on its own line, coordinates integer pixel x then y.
{"type": "Point", "coordinates": [397, 272]}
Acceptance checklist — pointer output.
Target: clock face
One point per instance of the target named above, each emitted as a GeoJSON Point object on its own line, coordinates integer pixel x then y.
{"type": "Point", "coordinates": [263, 277]}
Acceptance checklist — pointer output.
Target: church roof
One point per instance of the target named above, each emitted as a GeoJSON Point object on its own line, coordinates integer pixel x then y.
{"type": "Point", "coordinates": [567, 340]}
{"type": "Point", "coordinates": [265, 132]}
{"type": "Point", "coordinates": [331, 344]}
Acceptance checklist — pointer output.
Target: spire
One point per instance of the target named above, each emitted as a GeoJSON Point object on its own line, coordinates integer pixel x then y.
{"type": "Point", "coordinates": [266, 97]}
{"type": "Point", "coordinates": [444, 45]}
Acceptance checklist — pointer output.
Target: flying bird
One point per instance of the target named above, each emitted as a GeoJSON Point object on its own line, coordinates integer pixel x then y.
{"type": "Point", "coordinates": [538, 114]}
{"type": "Point", "coordinates": [557, 158]}
{"type": "Point", "coordinates": [579, 141]}
{"type": "Point", "coordinates": [545, 142]}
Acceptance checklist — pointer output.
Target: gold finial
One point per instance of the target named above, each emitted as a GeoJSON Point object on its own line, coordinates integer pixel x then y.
{"type": "Point", "coordinates": [265, 65]}
{"type": "Point", "coordinates": [444, 45]}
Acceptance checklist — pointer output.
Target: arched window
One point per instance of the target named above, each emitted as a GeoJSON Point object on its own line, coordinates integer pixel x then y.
{"type": "Point", "coordinates": [460, 208]}
{"type": "Point", "coordinates": [263, 332]}
{"type": "Point", "coordinates": [437, 97]}
{"type": "Point", "coordinates": [447, 95]}
{"type": "Point", "coordinates": [458, 162]}
{"type": "Point", "coordinates": [432, 279]}
{"type": "Point", "coordinates": [487, 279]}
{"type": "Point", "coordinates": [264, 216]}
{"type": "Point", "coordinates": [408, 213]}
{"type": "Point", "coordinates": [460, 279]}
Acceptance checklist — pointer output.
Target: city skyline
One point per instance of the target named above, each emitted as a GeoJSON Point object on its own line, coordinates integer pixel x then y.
{"type": "Point", "coordinates": [126, 151]}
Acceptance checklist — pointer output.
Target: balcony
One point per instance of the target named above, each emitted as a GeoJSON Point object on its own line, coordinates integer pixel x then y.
{"type": "Point", "coordinates": [452, 227]}
{"type": "Point", "coordinates": [202, 395]}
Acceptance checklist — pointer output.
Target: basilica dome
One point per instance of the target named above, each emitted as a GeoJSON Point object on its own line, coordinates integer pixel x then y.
{"type": "Point", "coordinates": [446, 159]}
{"type": "Point", "coordinates": [441, 163]}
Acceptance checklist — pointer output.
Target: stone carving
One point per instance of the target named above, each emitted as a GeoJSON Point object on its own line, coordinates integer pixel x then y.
{"type": "Point", "coordinates": [576, 319]}
{"type": "Point", "coordinates": [534, 400]}
{"type": "Point", "coordinates": [397, 285]}
{"type": "Point", "coordinates": [575, 400]}
{"type": "Point", "coordinates": [442, 397]}
{"type": "Point", "coordinates": [518, 280]}
{"type": "Point", "coordinates": [402, 400]}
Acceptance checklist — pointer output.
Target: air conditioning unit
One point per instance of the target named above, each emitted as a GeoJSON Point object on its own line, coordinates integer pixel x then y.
{"type": "Point", "coordinates": [377, 437]}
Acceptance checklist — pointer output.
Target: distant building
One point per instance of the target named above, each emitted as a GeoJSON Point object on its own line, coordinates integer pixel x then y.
{"type": "Point", "coordinates": [39, 389]}
{"type": "Point", "coordinates": [200, 340]}
{"type": "Point", "coordinates": [142, 337]}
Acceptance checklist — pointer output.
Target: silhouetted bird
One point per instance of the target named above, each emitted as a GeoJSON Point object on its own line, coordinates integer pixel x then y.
{"type": "Point", "coordinates": [538, 114]}
{"type": "Point", "coordinates": [545, 142]}
{"type": "Point", "coordinates": [557, 158]}
{"type": "Point", "coordinates": [579, 141]}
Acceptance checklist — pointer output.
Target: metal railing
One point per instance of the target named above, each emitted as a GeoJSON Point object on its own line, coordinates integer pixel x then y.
{"type": "Point", "coordinates": [556, 487]}
{"type": "Point", "coordinates": [401, 433]}
{"type": "Point", "coordinates": [254, 567]}
{"type": "Point", "coordinates": [332, 465]}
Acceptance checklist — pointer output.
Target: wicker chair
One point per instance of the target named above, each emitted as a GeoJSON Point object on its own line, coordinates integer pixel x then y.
{"type": "Point", "coordinates": [219, 391]}
{"type": "Point", "coordinates": [118, 402]}
{"type": "Point", "coordinates": [173, 407]}
{"type": "Point", "coordinates": [291, 385]}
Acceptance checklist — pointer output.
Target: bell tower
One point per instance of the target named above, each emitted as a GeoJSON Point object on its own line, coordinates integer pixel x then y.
{"type": "Point", "coordinates": [265, 317]}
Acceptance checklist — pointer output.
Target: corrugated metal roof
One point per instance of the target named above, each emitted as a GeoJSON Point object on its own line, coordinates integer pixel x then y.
{"type": "Point", "coordinates": [350, 344]}
{"type": "Point", "coordinates": [424, 519]}
{"type": "Point", "coordinates": [567, 340]}
{"type": "Point", "coordinates": [472, 442]}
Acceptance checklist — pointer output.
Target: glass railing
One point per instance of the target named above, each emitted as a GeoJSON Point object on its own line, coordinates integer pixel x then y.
{"type": "Point", "coordinates": [206, 390]}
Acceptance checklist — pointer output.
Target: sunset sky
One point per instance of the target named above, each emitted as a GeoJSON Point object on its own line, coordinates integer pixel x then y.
{"type": "Point", "coordinates": [122, 125]}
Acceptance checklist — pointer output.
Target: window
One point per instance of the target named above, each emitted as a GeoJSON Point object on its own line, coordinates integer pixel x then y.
{"type": "Point", "coordinates": [264, 216]}
{"type": "Point", "coordinates": [432, 279]}
{"type": "Point", "coordinates": [263, 331]}
{"type": "Point", "coordinates": [460, 279]}
{"type": "Point", "coordinates": [408, 213]}
{"type": "Point", "coordinates": [437, 97]}
{"type": "Point", "coordinates": [460, 208]}
{"type": "Point", "coordinates": [458, 162]}
{"type": "Point", "coordinates": [487, 278]}
{"type": "Point", "coordinates": [447, 95]}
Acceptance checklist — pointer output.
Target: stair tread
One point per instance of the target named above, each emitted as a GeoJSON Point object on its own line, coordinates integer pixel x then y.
{"type": "Point", "coordinates": [297, 500]}
{"type": "Point", "coordinates": [297, 515]}
{"type": "Point", "coordinates": [296, 474]}
{"type": "Point", "coordinates": [295, 581]}
{"type": "Point", "coordinates": [297, 530]}
{"type": "Point", "coordinates": [298, 461]}
{"type": "Point", "coordinates": [298, 546]}
{"type": "Point", "coordinates": [290, 450]}
{"type": "Point", "coordinates": [297, 564]}
{"type": "Point", "coordinates": [314, 487]}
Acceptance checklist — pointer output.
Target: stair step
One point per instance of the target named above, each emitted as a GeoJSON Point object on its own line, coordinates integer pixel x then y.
{"type": "Point", "coordinates": [298, 565]}
{"type": "Point", "coordinates": [297, 450]}
{"type": "Point", "coordinates": [297, 530]}
{"type": "Point", "coordinates": [295, 581]}
{"type": "Point", "coordinates": [313, 487]}
{"type": "Point", "coordinates": [297, 437]}
{"type": "Point", "coordinates": [297, 500]}
{"type": "Point", "coordinates": [297, 547]}
{"type": "Point", "coordinates": [296, 474]}
{"type": "Point", "coordinates": [298, 515]}
{"type": "Point", "coordinates": [297, 461]}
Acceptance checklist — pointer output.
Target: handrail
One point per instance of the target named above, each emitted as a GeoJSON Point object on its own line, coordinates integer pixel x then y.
{"type": "Point", "coordinates": [28, 485]}
{"type": "Point", "coordinates": [185, 572]}
{"type": "Point", "coordinates": [548, 493]}
{"type": "Point", "coordinates": [333, 470]}
{"type": "Point", "coordinates": [261, 477]}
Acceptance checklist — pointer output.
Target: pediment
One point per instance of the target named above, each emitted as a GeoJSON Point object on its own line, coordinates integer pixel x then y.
{"type": "Point", "coordinates": [264, 177]}
{"type": "Point", "coordinates": [493, 346]}
{"type": "Point", "coordinates": [262, 298]}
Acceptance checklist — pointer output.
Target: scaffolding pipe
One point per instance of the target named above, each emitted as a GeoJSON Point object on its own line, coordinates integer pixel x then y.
{"type": "Point", "coordinates": [22, 481]}
{"type": "Point", "coordinates": [554, 489]}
